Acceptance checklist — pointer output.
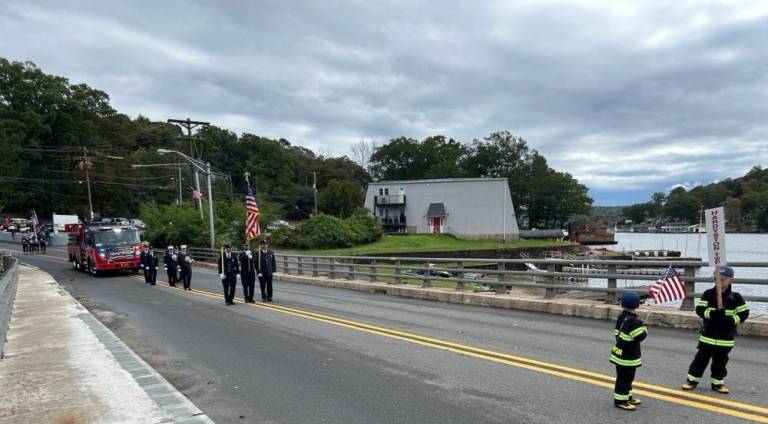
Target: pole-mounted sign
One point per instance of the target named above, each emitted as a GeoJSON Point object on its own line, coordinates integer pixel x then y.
{"type": "Point", "coordinates": [716, 245]}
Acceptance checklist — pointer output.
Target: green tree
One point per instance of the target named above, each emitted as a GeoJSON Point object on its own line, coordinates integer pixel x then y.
{"type": "Point", "coordinates": [340, 198]}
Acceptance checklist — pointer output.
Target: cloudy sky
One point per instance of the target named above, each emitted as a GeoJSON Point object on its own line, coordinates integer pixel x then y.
{"type": "Point", "coordinates": [630, 97]}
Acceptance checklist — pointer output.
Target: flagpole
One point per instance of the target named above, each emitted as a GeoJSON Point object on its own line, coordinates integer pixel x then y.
{"type": "Point", "coordinates": [247, 239]}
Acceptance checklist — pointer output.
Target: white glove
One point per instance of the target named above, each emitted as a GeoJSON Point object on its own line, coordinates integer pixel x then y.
{"type": "Point", "coordinates": [157, 267]}
{"type": "Point", "coordinates": [249, 255]}
{"type": "Point", "coordinates": [260, 275]}
{"type": "Point", "coordinates": [174, 257]}
{"type": "Point", "coordinates": [165, 267]}
{"type": "Point", "coordinates": [237, 275]}
{"type": "Point", "coordinates": [221, 276]}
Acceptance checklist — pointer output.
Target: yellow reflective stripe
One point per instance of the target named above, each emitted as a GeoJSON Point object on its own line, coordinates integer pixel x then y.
{"type": "Point", "coordinates": [693, 378]}
{"type": "Point", "coordinates": [742, 308]}
{"type": "Point", "coordinates": [638, 331]}
{"type": "Point", "coordinates": [615, 332]}
{"type": "Point", "coordinates": [730, 312]}
{"type": "Point", "coordinates": [716, 342]}
{"type": "Point", "coordinates": [625, 362]}
{"type": "Point", "coordinates": [707, 312]}
{"type": "Point", "coordinates": [703, 303]}
{"type": "Point", "coordinates": [717, 382]}
{"type": "Point", "coordinates": [620, 397]}
{"type": "Point", "coordinates": [626, 337]}
{"type": "Point", "coordinates": [736, 319]}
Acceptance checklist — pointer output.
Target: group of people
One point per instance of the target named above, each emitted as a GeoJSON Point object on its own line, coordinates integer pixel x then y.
{"type": "Point", "coordinates": [715, 342]}
{"type": "Point", "coordinates": [248, 266]}
{"type": "Point", "coordinates": [34, 243]}
{"type": "Point", "coordinates": [176, 262]}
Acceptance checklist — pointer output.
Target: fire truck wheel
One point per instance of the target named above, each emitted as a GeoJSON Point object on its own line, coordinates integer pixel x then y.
{"type": "Point", "coordinates": [91, 269]}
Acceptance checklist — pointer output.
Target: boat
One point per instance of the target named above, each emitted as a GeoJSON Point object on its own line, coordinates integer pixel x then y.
{"type": "Point", "coordinates": [591, 233]}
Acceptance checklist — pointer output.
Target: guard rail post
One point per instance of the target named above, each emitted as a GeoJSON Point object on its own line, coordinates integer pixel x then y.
{"type": "Point", "coordinates": [550, 293]}
{"type": "Point", "coordinates": [398, 278]}
{"type": "Point", "coordinates": [426, 282]}
{"type": "Point", "coordinates": [299, 266]}
{"type": "Point", "coordinates": [331, 268]}
{"type": "Point", "coordinates": [351, 271]}
{"type": "Point", "coordinates": [460, 274]}
{"type": "Point", "coordinates": [501, 288]}
{"type": "Point", "coordinates": [373, 270]}
{"type": "Point", "coordinates": [286, 268]}
{"type": "Point", "coordinates": [690, 288]}
{"type": "Point", "coordinates": [314, 266]}
{"type": "Point", "coordinates": [611, 297]}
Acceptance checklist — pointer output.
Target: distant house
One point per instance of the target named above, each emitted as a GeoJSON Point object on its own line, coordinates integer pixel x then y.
{"type": "Point", "coordinates": [468, 208]}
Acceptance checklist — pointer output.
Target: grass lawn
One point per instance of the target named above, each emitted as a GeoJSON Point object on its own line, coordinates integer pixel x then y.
{"type": "Point", "coordinates": [430, 243]}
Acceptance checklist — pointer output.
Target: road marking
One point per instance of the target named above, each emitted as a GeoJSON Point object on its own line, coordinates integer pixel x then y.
{"type": "Point", "coordinates": [722, 406]}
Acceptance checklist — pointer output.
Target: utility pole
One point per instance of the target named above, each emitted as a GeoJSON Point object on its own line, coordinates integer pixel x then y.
{"type": "Point", "coordinates": [314, 187]}
{"type": "Point", "coordinates": [86, 165]}
{"type": "Point", "coordinates": [189, 125]}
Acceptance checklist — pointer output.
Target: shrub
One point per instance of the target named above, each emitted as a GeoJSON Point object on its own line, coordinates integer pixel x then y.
{"type": "Point", "coordinates": [325, 231]}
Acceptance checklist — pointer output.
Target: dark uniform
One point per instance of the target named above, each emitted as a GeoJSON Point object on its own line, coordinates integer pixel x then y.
{"type": "Point", "coordinates": [170, 263]}
{"type": "Point", "coordinates": [248, 274]}
{"type": "Point", "coordinates": [43, 243]}
{"type": "Point", "coordinates": [32, 244]}
{"type": "Point", "coordinates": [717, 334]}
{"type": "Point", "coordinates": [626, 354]}
{"type": "Point", "coordinates": [185, 265]}
{"type": "Point", "coordinates": [25, 244]}
{"type": "Point", "coordinates": [228, 271]}
{"type": "Point", "coordinates": [266, 266]}
{"type": "Point", "coordinates": [151, 264]}
{"type": "Point", "coordinates": [142, 259]}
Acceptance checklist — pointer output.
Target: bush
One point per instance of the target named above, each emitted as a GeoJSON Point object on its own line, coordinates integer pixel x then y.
{"type": "Point", "coordinates": [325, 231]}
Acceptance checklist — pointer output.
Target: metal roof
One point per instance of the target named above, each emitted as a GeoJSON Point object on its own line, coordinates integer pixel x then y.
{"type": "Point", "coordinates": [436, 209]}
{"type": "Point", "coordinates": [439, 180]}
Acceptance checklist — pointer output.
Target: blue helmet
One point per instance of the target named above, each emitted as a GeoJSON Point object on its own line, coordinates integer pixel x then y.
{"type": "Point", "coordinates": [630, 300]}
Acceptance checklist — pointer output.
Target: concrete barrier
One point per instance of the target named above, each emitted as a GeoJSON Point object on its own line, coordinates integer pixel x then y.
{"type": "Point", "coordinates": [8, 282]}
{"type": "Point", "coordinates": [659, 315]}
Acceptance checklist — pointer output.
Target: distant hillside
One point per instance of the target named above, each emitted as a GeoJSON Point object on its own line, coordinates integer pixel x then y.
{"type": "Point", "coordinates": [609, 214]}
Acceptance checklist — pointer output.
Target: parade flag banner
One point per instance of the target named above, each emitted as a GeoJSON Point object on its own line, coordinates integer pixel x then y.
{"type": "Point", "coordinates": [668, 288]}
{"type": "Point", "coordinates": [252, 216]}
{"type": "Point", "coordinates": [716, 236]}
{"type": "Point", "coordinates": [35, 222]}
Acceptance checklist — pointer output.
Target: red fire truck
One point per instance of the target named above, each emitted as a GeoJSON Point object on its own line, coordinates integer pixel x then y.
{"type": "Point", "coordinates": [95, 247]}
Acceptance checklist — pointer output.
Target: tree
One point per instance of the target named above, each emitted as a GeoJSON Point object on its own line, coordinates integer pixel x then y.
{"type": "Point", "coordinates": [341, 198]}
{"type": "Point", "coordinates": [683, 206]}
{"type": "Point", "coordinates": [362, 152]}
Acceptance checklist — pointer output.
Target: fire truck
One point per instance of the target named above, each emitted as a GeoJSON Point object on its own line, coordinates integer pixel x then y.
{"type": "Point", "coordinates": [96, 247]}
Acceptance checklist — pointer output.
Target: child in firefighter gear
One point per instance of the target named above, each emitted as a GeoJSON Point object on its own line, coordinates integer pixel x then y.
{"type": "Point", "coordinates": [170, 264]}
{"type": "Point", "coordinates": [266, 266]}
{"type": "Point", "coordinates": [151, 264]}
{"type": "Point", "coordinates": [229, 270]}
{"type": "Point", "coordinates": [717, 333]}
{"type": "Point", "coordinates": [626, 354]}
{"type": "Point", "coordinates": [248, 273]}
{"type": "Point", "coordinates": [185, 268]}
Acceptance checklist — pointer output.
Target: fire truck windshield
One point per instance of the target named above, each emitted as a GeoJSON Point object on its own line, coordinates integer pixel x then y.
{"type": "Point", "coordinates": [115, 236]}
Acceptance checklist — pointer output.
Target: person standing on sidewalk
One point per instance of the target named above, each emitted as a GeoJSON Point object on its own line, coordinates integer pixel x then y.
{"type": "Point", "coordinates": [248, 272]}
{"type": "Point", "coordinates": [265, 268]}
{"type": "Point", "coordinates": [626, 354]}
{"type": "Point", "coordinates": [229, 270]}
{"type": "Point", "coordinates": [185, 264]}
{"type": "Point", "coordinates": [717, 334]}
{"type": "Point", "coordinates": [170, 264]}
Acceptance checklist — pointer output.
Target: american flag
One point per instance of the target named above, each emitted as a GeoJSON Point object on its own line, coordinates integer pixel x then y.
{"type": "Point", "coordinates": [35, 222]}
{"type": "Point", "coordinates": [668, 288]}
{"type": "Point", "coordinates": [252, 229]}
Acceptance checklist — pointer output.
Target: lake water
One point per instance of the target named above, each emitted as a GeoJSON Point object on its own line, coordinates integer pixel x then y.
{"type": "Point", "coordinates": [739, 248]}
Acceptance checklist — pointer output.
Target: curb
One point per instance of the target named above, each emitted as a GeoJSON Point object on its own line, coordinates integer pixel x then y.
{"type": "Point", "coordinates": [660, 316]}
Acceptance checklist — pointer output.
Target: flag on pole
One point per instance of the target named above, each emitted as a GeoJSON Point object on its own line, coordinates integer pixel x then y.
{"type": "Point", "coordinates": [35, 222]}
{"type": "Point", "coordinates": [668, 288]}
{"type": "Point", "coordinates": [252, 216]}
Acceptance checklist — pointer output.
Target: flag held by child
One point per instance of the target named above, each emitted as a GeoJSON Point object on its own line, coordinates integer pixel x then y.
{"type": "Point", "coordinates": [668, 288]}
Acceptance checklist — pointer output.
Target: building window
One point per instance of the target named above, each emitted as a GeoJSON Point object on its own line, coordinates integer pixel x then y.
{"type": "Point", "coordinates": [381, 192]}
{"type": "Point", "coordinates": [386, 192]}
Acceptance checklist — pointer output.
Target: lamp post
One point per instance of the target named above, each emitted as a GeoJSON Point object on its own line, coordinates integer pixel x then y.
{"type": "Point", "coordinates": [205, 168]}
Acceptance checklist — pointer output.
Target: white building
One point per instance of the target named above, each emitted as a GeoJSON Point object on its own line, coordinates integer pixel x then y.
{"type": "Point", "coordinates": [469, 208]}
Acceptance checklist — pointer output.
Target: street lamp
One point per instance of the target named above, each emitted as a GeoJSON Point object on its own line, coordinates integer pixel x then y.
{"type": "Point", "coordinates": [205, 168]}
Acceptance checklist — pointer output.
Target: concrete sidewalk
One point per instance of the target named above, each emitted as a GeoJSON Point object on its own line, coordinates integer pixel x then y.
{"type": "Point", "coordinates": [63, 366]}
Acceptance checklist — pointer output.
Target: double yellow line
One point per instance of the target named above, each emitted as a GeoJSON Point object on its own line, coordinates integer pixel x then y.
{"type": "Point", "coordinates": [676, 396]}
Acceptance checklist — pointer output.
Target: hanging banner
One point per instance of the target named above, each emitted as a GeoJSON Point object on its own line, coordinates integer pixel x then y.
{"type": "Point", "coordinates": [716, 236]}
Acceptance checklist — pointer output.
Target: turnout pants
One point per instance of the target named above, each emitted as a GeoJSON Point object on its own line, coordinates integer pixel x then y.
{"type": "Point", "coordinates": [249, 285]}
{"type": "Point", "coordinates": [186, 278]}
{"type": "Point", "coordinates": [265, 284]}
{"type": "Point", "coordinates": [146, 274]}
{"type": "Point", "coordinates": [622, 391]}
{"type": "Point", "coordinates": [171, 277]}
{"type": "Point", "coordinates": [719, 357]}
{"type": "Point", "coordinates": [229, 284]}
{"type": "Point", "coordinates": [151, 275]}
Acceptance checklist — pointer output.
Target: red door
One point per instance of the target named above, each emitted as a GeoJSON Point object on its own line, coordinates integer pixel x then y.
{"type": "Point", "coordinates": [436, 224]}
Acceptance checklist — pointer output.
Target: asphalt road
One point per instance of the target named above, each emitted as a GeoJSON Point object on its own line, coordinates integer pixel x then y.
{"type": "Point", "coordinates": [280, 364]}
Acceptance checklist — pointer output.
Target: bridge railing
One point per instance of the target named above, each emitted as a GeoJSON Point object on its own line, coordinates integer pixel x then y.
{"type": "Point", "coordinates": [500, 275]}
{"type": "Point", "coordinates": [8, 281]}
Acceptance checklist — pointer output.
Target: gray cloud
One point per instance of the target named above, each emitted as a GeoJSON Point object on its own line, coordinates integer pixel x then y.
{"type": "Point", "coordinates": [630, 97]}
